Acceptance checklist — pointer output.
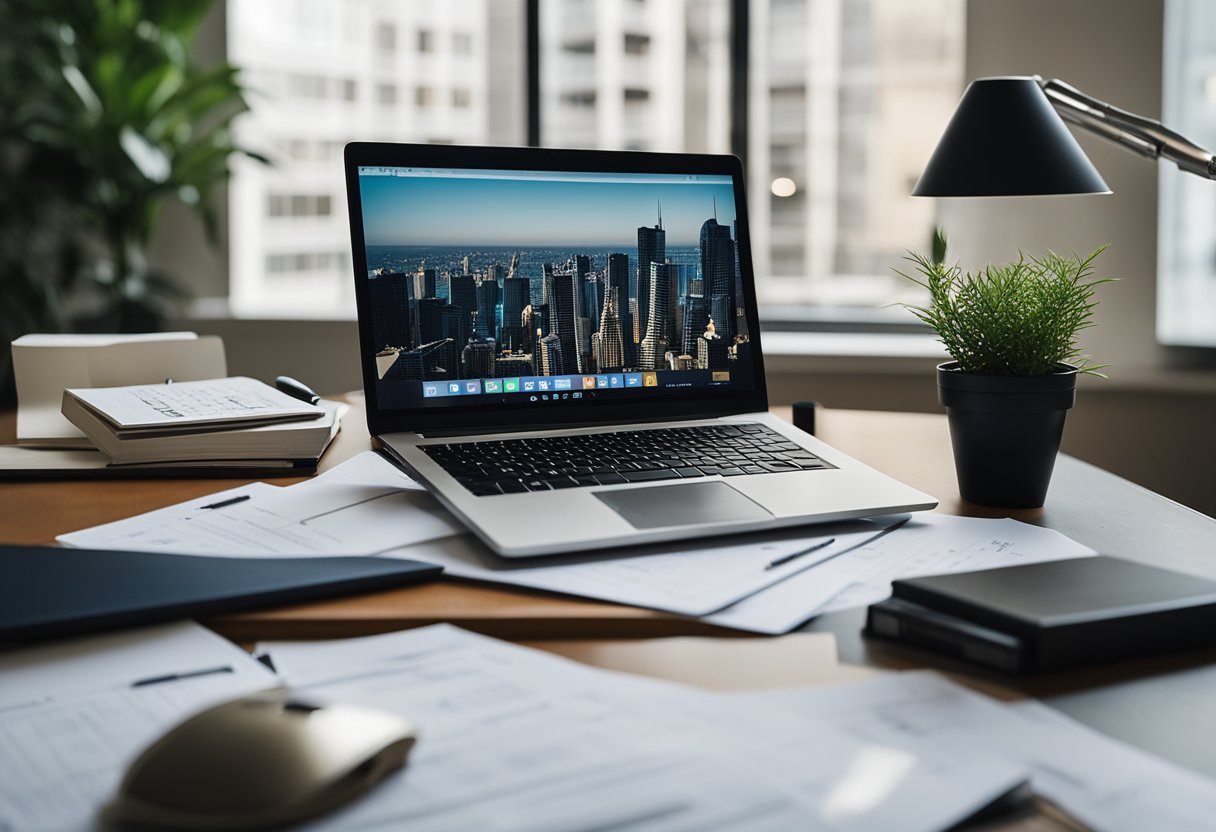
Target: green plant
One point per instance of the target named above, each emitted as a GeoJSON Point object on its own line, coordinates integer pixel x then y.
{"type": "Point", "coordinates": [1017, 319]}
{"type": "Point", "coordinates": [106, 115]}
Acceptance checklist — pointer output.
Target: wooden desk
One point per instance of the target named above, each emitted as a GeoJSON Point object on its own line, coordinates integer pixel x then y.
{"type": "Point", "coordinates": [1163, 705]}
{"type": "Point", "coordinates": [35, 512]}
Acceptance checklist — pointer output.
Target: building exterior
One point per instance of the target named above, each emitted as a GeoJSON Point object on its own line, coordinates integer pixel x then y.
{"type": "Point", "coordinates": [712, 350]}
{"type": "Point", "coordinates": [478, 358]}
{"type": "Point", "coordinates": [693, 323]}
{"type": "Point", "coordinates": [661, 318]}
{"type": "Point", "coordinates": [424, 283]}
{"type": "Point", "coordinates": [515, 299]}
{"type": "Point", "coordinates": [462, 293]}
{"type": "Point", "coordinates": [563, 318]}
{"type": "Point", "coordinates": [428, 362]}
{"type": "Point", "coordinates": [513, 365]}
{"type": "Point", "coordinates": [627, 75]}
{"type": "Point", "coordinates": [609, 340]}
{"type": "Point", "coordinates": [652, 248]}
{"type": "Point", "coordinates": [551, 362]}
{"type": "Point", "coordinates": [390, 301]}
{"type": "Point", "coordinates": [327, 73]}
{"type": "Point", "coordinates": [487, 308]}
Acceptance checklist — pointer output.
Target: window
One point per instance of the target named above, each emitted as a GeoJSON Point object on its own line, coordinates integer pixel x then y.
{"type": "Point", "coordinates": [317, 90]}
{"type": "Point", "coordinates": [386, 37]}
{"type": "Point", "coordinates": [636, 44]}
{"type": "Point", "coordinates": [844, 102]}
{"type": "Point", "coordinates": [424, 97]}
{"type": "Point", "coordinates": [299, 205]}
{"type": "Point", "coordinates": [848, 100]}
{"type": "Point", "coordinates": [1186, 247]}
{"type": "Point", "coordinates": [386, 94]}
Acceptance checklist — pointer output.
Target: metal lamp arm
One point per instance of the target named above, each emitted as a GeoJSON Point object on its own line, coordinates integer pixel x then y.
{"type": "Point", "coordinates": [1139, 134]}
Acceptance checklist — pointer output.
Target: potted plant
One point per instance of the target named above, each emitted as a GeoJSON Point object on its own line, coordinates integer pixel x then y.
{"type": "Point", "coordinates": [1012, 332]}
{"type": "Point", "coordinates": [106, 115]}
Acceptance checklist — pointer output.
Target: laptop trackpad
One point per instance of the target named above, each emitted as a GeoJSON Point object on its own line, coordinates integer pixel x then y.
{"type": "Point", "coordinates": [693, 504]}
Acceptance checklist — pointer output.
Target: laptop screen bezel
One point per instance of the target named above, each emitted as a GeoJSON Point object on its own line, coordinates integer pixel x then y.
{"type": "Point", "coordinates": [717, 401]}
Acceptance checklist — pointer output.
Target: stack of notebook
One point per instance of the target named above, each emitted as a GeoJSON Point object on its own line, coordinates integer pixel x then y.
{"type": "Point", "coordinates": [226, 423]}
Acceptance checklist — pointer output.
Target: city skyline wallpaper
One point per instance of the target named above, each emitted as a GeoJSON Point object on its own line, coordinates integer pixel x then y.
{"type": "Point", "coordinates": [509, 277]}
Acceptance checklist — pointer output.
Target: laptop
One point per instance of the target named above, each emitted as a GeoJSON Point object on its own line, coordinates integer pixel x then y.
{"type": "Point", "coordinates": [563, 346]}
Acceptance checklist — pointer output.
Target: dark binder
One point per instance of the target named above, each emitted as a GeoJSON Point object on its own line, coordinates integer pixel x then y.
{"type": "Point", "coordinates": [47, 592]}
{"type": "Point", "coordinates": [1050, 616]}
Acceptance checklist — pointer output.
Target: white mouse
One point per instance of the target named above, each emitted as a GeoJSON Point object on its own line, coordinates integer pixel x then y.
{"type": "Point", "coordinates": [257, 763]}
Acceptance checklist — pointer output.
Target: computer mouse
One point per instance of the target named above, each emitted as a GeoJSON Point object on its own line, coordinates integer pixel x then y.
{"type": "Point", "coordinates": [257, 763]}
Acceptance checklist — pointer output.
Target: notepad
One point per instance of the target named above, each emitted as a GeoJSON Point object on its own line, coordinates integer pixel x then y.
{"type": "Point", "coordinates": [190, 406]}
{"type": "Point", "coordinates": [228, 418]}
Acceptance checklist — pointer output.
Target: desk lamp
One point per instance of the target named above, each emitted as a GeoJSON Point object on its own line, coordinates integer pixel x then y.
{"type": "Point", "coordinates": [1007, 138]}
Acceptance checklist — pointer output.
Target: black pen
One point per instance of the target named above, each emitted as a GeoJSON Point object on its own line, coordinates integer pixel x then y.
{"type": "Point", "coordinates": [173, 677]}
{"type": "Point", "coordinates": [784, 559]}
{"type": "Point", "coordinates": [242, 498]}
{"type": "Point", "coordinates": [897, 525]}
{"type": "Point", "coordinates": [296, 389]}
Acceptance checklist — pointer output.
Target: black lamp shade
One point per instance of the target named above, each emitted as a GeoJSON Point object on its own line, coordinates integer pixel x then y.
{"type": "Point", "coordinates": [1005, 139]}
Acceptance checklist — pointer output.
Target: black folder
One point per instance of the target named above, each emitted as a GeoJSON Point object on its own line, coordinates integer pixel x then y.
{"type": "Point", "coordinates": [1050, 616]}
{"type": "Point", "coordinates": [47, 592]}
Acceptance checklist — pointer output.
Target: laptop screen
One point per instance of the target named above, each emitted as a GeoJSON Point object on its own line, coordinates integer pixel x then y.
{"type": "Point", "coordinates": [551, 289]}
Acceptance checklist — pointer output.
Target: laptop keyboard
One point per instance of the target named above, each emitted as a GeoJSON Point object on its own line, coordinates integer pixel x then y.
{"type": "Point", "coordinates": [512, 466]}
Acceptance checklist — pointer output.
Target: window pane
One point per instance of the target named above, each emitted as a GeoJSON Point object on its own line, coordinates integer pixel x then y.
{"type": "Point", "coordinates": [1186, 250]}
{"type": "Point", "coordinates": [326, 73]}
{"type": "Point", "coordinates": [847, 99]}
{"type": "Point", "coordinates": [634, 75]}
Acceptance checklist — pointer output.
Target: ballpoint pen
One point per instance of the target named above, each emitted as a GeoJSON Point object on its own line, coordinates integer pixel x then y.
{"type": "Point", "coordinates": [296, 389]}
{"type": "Point", "coordinates": [174, 677]}
{"type": "Point", "coordinates": [229, 502]}
{"type": "Point", "coordinates": [787, 558]}
{"type": "Point", "coordinates": [784, 559]}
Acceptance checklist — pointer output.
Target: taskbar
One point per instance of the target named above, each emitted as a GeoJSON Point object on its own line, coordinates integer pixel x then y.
{"type": "Point", "coordinates": [546, 388]}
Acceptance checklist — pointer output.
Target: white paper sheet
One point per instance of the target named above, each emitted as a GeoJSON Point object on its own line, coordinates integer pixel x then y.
{"type": "Point", "coordinates": [1101, 782]}
{"type": "Point", "coordinates": [689, 578]}
{"type": "Point", "coordinates": [516, 739]}
{"type": "Point", "coordinates": [929, 544]}
{"type": "Point", "coordinates": [318, 517]}
{"type": "Point", "coordinates": [366, 468]}
{"type": "Point", "coordinates": [71, 719]}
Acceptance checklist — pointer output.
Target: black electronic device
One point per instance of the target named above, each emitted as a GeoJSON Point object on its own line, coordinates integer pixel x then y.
{"type": "Point", "coordinates": [1050, 616]}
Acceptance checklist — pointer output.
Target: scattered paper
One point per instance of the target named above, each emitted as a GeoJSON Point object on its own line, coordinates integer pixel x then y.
{"type": "Point", "coordinates": [367, 506]}
{"type": "Point", "coordinates": [694, 578]}
{"type": "Point", "coordinates": [1099, 781]}
{"type": "Point", "coordinates": [930, 544]}
{"type": "Point", "coordinates": [72, 717]}
{"type": "Point", "coordinates": [359, 511]}
{"type": "Point", "coordinates": [366, 468]}
{"type": "Point", "coordinates": [514, 739]}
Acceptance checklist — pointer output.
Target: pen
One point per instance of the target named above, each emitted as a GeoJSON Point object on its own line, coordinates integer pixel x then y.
{"type": "Point", "coordinates": [296, 389]}
{"type": "Point", "coordinates": [173, 677]}
{"type": "Point", "coordinates": [242, 498]}
{"type": "Point", "coordinates": [865, 542]}
{"type": "Point", "coordinates": [775, 562]}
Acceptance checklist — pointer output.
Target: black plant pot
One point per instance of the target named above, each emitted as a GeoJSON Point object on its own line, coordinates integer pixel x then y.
{"type": "Point", "coordinates": [1006, 432]}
